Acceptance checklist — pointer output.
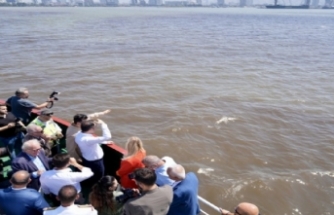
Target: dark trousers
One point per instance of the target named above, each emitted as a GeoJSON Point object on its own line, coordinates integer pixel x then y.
{"type": "Point", "coordinates": [97, 167]}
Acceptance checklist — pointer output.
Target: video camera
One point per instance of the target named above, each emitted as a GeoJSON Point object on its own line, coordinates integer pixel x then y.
{"type": "Point", "coordinates": [52, 96]}
{"type": "Point", "coordinates": [127, 194]}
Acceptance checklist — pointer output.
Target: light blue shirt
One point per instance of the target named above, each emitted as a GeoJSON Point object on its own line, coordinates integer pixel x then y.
{"type": "Point", "coordinates": [38, 163]}
{"type": "Point", "coordinates": [161, 172]}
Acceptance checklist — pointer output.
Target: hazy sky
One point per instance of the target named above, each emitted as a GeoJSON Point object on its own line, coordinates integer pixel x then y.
{"type": "Point", "coordinates": [206, 2]}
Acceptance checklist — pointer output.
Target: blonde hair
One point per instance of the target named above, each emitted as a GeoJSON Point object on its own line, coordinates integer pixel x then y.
{"type": "Point", "coordinates": [133, 145]}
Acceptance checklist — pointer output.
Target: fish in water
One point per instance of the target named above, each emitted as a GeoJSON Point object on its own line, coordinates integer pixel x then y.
{"type": "Point", "coordinates": [225, 120]}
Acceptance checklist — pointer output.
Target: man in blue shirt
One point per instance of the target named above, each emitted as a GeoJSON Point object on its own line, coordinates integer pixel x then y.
{"type": "Point", "coordinates": [160, 167]}
{"type": "Point", "coordinates": [20, 200]}
{"type": "Point", "coordinates": [21, 107]}
{"type": "Point", "coordinates": [185, 191]}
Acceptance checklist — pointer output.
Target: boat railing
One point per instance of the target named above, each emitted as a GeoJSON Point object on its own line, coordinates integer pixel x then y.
{"type": "Point", "coordinates": [208, 204]}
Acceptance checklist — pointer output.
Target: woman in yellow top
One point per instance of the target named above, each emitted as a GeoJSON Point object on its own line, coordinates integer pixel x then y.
{"type": "Point", "coordinates": [132, 161]}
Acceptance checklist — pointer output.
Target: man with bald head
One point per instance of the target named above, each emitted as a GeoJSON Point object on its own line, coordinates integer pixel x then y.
{"type": "Point", "coordinates": [160, 167]}
{"type": "Point", "coordinates": [20, 200]}
{"type": "Point", "coordinates": [243, 208]}
{"type": "Point", "coordinates": [33, 160]}
{"type": "Point", "coordinates": [185, 191]}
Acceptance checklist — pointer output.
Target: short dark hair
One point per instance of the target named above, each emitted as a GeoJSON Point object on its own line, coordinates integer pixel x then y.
{"type": "Point", "coordinates": [67, 194]}
{"type": "Point", "coordinates": [87, 125]}
{"type": "Point", "coordinates": [146, 176]}
{"type": "Point", "coordinates": [61, 160]}
{"type": "Point", "coordinates": [79, 118]}
{"type": "Point", "coordinates": [2, 104]}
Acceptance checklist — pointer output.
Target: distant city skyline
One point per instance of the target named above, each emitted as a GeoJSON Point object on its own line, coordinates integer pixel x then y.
{"type": "Point", "coordinates": [202, 2]}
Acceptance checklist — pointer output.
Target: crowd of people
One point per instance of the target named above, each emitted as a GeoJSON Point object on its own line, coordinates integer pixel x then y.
{"type": "Point", "coordinates": [147, 185]}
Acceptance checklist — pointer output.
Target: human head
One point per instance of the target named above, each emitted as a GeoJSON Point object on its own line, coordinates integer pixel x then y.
{"type": "Point", "coordinates": [246, 208]}
{"type": "Point", "coordinates": [145, 178]}
{"type": "Point", "coordinates": [133, 145]}
{"type": "Point", "coordinates": [102, 193]}
{"type": "Point", "coordinates": [61, 160]}
{"type": "Point", "coordinates": [20, 179]}
{"type": "Point", "coordinates": [3, 109]}
{"type": "Point", "coordinates": [78, 118]}
{"type": "Point", "coordinates": [22, 92]}
{"type": "Point", "coordinates": [46, 115]}
{"type": "Point", "coordinates": [31, 147]}
{"type": "Point", "coordinates": [34, 130]}
{"type": "Point", "coordinates": [67, 195]}
{"type": "Point", "coordinates": [88, 127]}
{"type": "Point", "coordinates": [176, 172]}
{"type": "Point", "coordinates": [152, 161]}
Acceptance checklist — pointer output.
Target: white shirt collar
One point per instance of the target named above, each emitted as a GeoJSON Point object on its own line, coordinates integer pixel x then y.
{"type": "Point", "coordinates": [19, 188]}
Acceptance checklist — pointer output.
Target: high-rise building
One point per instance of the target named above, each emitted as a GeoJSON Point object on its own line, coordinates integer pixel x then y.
{"type": "Point", "coordinates": [221, 2]}
{"type": "Point", "coordinates": [244, 3]}
{"type": "Point", "coordinates": [315, 3]}
{"type": "Point", "coordinates": [155, 2]}
{"type": "Point", "coordinates": [199, 2]}
{"type": "Point", "coordinates": [134, 2]}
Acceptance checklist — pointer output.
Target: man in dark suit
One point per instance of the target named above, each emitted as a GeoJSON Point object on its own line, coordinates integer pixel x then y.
{"type": "Point", "coordinates": [33, 160]}
{"type": "Point", "coordinates": [20, 200]}
{"type": "Point", "coordinates": [185, 191]}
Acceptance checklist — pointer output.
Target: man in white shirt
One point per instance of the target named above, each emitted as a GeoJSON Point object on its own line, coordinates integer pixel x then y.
{"type": "Point", "coordinates": [160, 167]}
{"type": "Point", "coordinates": [67, 196]}
{"type": "Point", "coordinates": [53, 180]}
{"type": "Point", "coordinates": [74, 129]}
{"type": "Point", "coordinates": [89, 145]}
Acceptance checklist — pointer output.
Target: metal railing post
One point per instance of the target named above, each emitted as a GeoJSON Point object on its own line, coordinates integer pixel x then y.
{"type": "Point", "coordinates": [204, 201]}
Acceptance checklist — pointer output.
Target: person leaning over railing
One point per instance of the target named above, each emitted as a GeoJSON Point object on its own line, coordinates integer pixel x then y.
{"type": "Point", "coordinates": [71, 146]}
{"type": "Point", "coordinates": [21, 107]}
{"type": "Point", "coordinates": [104, 194]}
{"type": "Point", "coordinates": [160, 167]}
{"type": "Point", "coordinates": [131, 162]}
{"type": "Point", "coordinates": [185, 191]}
{"type": "Point", "coordinates": [243, 208]}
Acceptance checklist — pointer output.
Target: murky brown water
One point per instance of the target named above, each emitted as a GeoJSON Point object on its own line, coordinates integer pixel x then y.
{"type": "Point", "coordinates": [170, 74]}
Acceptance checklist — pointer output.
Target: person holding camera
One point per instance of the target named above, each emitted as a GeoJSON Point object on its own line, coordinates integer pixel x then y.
{"type": "Point", "coordinates": [106, 196]}
{"type": "Point", "coordinates": [10, 130]}
{"type": "Point", "coordinates": [21, 107]}
{"type": "Point", "coordinates": [153, 199]}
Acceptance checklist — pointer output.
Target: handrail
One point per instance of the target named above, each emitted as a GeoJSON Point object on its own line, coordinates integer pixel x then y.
{"type": "Point", "coordinates": [206, 202]}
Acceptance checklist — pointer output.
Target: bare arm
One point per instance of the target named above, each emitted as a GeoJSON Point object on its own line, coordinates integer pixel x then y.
{"type": "Point", "coordinates": [43, 105]}
{"type": "Point", "coordinates": [98, 114]}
